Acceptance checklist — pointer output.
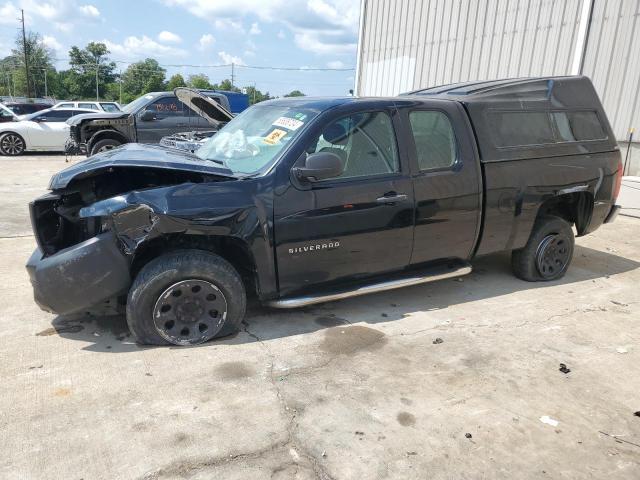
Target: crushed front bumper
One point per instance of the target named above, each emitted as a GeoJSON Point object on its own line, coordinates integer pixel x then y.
{"type": "Point", "coordinates": [79, 277]}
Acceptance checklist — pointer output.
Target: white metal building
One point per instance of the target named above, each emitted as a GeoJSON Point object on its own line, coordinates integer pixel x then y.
{"type": "Point", "coordinates": [409, 44]}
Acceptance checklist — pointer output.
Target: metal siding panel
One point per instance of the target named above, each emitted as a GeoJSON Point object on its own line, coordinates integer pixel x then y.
{"type": "Point", "coordinates": [415, 44]}
{"type": "Point", "coordinates": [613, 64]}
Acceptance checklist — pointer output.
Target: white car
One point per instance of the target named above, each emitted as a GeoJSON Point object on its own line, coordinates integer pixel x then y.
{"type": "Point", "coordinates": [100, 106]}
{"type": "Point", "coordinates": [45, 130]}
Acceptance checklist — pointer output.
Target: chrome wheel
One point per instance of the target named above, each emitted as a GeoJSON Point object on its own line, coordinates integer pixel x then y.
{"type": "Point", "coordinates": [190, 312]}
{"type": "Point", "coordinates": [553, 255]}
{"type": "Point", "coordinates": [11, 144]}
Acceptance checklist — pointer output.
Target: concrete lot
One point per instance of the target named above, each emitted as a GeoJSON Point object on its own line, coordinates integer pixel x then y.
{"type": "Point", "coordinates": [357, 389]}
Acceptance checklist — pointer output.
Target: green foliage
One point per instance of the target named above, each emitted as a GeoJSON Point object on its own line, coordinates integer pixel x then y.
{"type": "Point", "coordinates": [80, 83]}
{"type": "Point", "coordinates": [227, 86]}
{"type": "Point", "coordinates": [256, 96]}
{"type": "Point", "coordinates": [142, 77]}
{"type": "Point", "coordinates": [199, 80]}
{"type": "Point", "coordinates": [39, 57]}
{"type": "Point", "coordinates": [295, 93]}
{"type": "Point", "coordinates": [176, 81]}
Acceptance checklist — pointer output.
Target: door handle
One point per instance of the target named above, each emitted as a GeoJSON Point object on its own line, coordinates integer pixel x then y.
{"type": "Point", "coordinates": [181, 124]}
{"type": "Point", "coordinates": [391, 199]}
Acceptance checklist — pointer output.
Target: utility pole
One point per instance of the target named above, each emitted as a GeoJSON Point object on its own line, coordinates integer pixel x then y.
{"type": "Point", "coordinates": [26, 57]}
{"type": "Point", "coordinates": [97, 68]}
{"type": "Point", "coordinates": [120, 82]}
{"type": "Point", "coordinates": [232, 73]}
{"type": "Point", "coordinates": [45, 82]}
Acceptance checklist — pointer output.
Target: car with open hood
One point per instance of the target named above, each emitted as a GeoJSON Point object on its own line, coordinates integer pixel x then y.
{"type": "Point", "coordinates": [298, 201]}
{"type": "Point", "coordinates": [208, 109]}
{"type": "Point", "coordinates": [147, 119]}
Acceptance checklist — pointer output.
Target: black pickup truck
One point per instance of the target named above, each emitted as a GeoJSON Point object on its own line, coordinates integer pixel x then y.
{"type": "Point", "coordinates": [300, 201]}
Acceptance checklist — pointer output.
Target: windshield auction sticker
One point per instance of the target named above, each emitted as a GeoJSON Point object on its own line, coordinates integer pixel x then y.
{"type": "Point", "coordinates": [275, 136]}
{"type": "Point", "coordinates": [288, 123]}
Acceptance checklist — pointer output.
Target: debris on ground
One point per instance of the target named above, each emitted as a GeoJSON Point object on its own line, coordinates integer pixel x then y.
{"type": "Point", "coordinates": [563, 368]}
{"type": "Point", "coordinates": [549, 421]}
{"type": "Point", "coordinates": [621, 350]}
{"type": "Point", "coordinates": [619, 303]}
{"type": "Point", "coordinates": [437, 341]}
{"type": "Point", "coordinates": [468, 435]}
{"type": "Point", "coordinates": [637, 414]}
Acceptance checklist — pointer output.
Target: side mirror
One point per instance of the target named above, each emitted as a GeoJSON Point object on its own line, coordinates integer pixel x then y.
{"type": "Point", "coordinates": [319, 166]}
{"type": "Point", "coordinates": [148, 116]}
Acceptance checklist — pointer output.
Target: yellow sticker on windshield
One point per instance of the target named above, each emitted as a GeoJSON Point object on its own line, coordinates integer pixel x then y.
{"type": "Point", "coordinates": [275, 136]}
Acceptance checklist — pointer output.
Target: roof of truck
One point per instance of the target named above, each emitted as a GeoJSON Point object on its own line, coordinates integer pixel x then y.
{"type": "Point", "coordinates": [506, 87]}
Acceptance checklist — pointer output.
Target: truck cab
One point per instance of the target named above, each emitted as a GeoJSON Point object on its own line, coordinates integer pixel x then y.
{"type": "Point", "coordinates": [300, 201]}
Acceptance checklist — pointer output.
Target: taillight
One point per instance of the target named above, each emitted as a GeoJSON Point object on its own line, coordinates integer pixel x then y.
{"type": "Point", "coordinates": [616, 188]}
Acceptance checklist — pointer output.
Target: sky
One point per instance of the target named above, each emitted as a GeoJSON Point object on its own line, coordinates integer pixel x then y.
{"type": "Point", "coordinates": [206, 34]}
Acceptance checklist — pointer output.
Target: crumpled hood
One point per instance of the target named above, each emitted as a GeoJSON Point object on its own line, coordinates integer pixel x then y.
{"type": "Point", "coordinates": [140, 156]}
{"type": "Point", "coordinates": [75, 120]}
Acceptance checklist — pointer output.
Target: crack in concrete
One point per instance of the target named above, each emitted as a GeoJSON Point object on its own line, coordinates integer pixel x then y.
{"type": "Point", "coordinates": [318, 469]}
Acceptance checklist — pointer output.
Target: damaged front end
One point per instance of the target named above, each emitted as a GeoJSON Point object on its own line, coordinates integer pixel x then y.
{"type": "Point", "coordinates": [187, 141]}
{"type": "Point", "coordinates": [89, 227]}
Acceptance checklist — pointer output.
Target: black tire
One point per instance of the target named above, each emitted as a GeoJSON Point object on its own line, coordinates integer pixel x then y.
{"type": "Point", "coordinates": [12, 144]}
{"type": "Point", "coordinates": [548, 253]}
{"type": "Point", "coordinates": [104, 145]}
{"type": "Point", "coordinates": [150, 310]}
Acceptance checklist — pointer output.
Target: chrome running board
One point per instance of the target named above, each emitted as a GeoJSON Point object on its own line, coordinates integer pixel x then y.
{"type": "Point", "coordinates": [433, 274]}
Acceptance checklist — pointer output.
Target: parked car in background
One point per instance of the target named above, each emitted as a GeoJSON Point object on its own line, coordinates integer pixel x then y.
{"type": "Point", "coordinates": [208, 109]}
{"type": "Point", "coordinates": [100, 106]}
{"type": "Point", "coordinates": [25, 108]}
{"type": "Point", "coordinates": [307, 200]}
{"type": "Point", "coordinates": [45, 130]}
{"type": "Point", "coordinates": [145, 120]}
{"type": "Point", "coordinates": [6, 115]}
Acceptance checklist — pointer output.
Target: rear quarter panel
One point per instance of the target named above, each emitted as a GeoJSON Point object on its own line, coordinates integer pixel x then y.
{"type": "Point", "coordinates": [515, 190]}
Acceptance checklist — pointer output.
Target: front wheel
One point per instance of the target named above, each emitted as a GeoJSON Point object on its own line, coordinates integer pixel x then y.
{"type": "Point", "coordinates": [12, 144]}
{"type": "Point", "coordinates": [547, 254]}
{"type": "Point", "coordinates": [185, 297]}
{"type": "Point", "coordinates": [104, 145]}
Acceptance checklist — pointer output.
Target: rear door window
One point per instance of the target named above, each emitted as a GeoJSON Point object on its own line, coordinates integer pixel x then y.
{"type": "Point", "coordinates": [91, 106]}
{"type": "Point", "coordinates": [434, 139]}
{"type": "Point", "coordinates": [521, 128]}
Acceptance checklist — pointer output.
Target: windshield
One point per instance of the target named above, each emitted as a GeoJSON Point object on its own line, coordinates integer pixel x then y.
{"type": "Point", "coordinates": [252, 140]}
{"type": "Point", "coordinates": [137, 103]}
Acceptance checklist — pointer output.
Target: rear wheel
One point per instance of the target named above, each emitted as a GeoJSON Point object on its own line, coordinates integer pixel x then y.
{"type": "Point", "coordinates": [104, 145]}
{"type": "Point", "coordinates": [547, 254]}
{"type": "Point", "coordinates": [12, 144]}
{"type": "Point", "coordinates": [185, 298]}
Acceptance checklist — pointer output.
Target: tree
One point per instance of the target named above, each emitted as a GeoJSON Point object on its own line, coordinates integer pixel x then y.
{"type": "Point", "coordinates": [199, 80]}
{"type": "Point", "coordinates": [40, 61]}
{"type": "Point", "coordinates": [81, 80]}
{"type": "Point", "coordinates": [295, 93]}
{"type": "Point", "coordinates": [176, 81]}
{"type": "Point", "coordinates": [227, 86]}
{"type": "Point", "coordinates": [142, 77]}
{"type": "Point", "coordinates": [256, 96]}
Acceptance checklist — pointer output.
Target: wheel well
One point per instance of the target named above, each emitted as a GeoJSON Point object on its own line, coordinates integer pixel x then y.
{"type": "Point", "coordinates": [233, 250]}
{"type": "Point", "coordinates": [103, 135]}
{"type": "Point", "coordinates": [576, 208]}
{"type": "Point", "coordinates": [14, 133]}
